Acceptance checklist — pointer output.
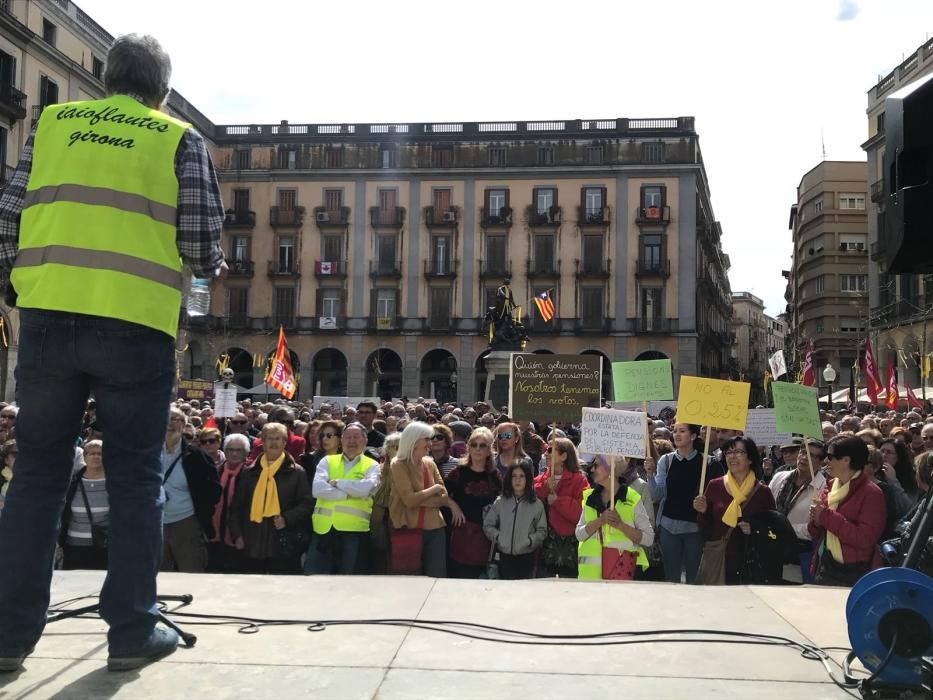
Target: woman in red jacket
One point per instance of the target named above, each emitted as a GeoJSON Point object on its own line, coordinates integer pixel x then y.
{"type": "Point", "coordinates": [561, 488]}
{"type": "Point", "coordinates": [848, 516]}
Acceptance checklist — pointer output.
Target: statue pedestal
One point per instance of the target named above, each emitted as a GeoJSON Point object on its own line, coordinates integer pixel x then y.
{"type": "Point", "coordinates": [497, 377]}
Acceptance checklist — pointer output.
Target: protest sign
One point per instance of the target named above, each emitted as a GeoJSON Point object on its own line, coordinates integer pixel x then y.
{"type": "Point", "coordinates": [761, 427]}
{"type": "Point", "coordinates": [605, 431]}
{"type": "Point", "coordinates": [547, 388]}
{"type": "Point", "coordinates": [200, 389]}
{"type": "Point", "coordinates": [713, 402]}
{"type": "Point", "coordinates": [795, 409]}
{"type": "Point", "coordinates": [224, 399]}
{"type": "Point", "coordinates": [642, 380]}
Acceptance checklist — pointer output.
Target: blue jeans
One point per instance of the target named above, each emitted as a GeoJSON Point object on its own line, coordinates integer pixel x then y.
{"type": "Point", "coordinates": [679, 552]}
{"type": "Point", "coordinates": [335, 553]}
{"type": "Point", "coordinates": [63, 358]}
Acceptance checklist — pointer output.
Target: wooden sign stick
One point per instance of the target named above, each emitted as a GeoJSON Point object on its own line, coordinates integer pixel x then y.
{"type": "Point", "coordinates": [644, 407]}
{"type": "Point", "coordinates": [612, 480]}
{"type": "Point", "coordinates": [809, 459]}
{"type": "Point", "coordinates": [709, 430]}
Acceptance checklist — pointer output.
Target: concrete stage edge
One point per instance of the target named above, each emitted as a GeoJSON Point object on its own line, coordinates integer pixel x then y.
{"type": "Point", "coordinates": [396, 663]}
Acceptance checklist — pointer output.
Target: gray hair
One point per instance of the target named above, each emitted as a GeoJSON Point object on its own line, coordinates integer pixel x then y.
{"type": "Point", "coordinates": [238, 439]}
{"type": "Point", "coordinates": [391, 443]}
{"type": "Point", "coordinates": [138, 64]}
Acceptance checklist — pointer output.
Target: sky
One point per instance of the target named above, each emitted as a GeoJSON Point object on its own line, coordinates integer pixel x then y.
{"type": "Point", "coordinates": [771, 85]}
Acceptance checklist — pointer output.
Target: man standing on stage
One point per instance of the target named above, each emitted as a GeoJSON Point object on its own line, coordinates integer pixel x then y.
{"type": "Point", "coordinates": [108, 199]}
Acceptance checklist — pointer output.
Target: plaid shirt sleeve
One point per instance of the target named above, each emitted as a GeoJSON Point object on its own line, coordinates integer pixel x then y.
{"type": "Point", "coordinates": [200, 208]}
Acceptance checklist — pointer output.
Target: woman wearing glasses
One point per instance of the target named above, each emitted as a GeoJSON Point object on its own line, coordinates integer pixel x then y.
{"type": "Point", "coordinates": [848, 518]}
{"type": "Point", "coordinates": [508, 449]}
{"type": "Point", "coordinates": [561, 488]}
{"type": "Point", "coordinates": [728, 502]}
{"type": "Point", "coordinates": [441, 439]}
{"type": "Point", "coordinates": [329, 438]}
{"type": "Point", "coordinates": [222, 554]}
{"type": "Point", "coordinates": [472, 487]}
{"type": "Point", "coordinates": [209, 439]}
{"type": "Point", "coordinates": [85, 517]}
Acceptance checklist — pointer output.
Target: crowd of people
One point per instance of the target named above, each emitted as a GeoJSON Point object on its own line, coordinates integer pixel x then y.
{"type": "Point", "coordinates": [418, 487]}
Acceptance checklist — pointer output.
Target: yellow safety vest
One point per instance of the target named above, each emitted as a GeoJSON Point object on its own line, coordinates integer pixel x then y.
{"type": "Point", "coordinates": [590, 550]}
{"type": "Point", "coordinates": [98, 227]}
{"type": "Point", "coordinates": [349, 514]}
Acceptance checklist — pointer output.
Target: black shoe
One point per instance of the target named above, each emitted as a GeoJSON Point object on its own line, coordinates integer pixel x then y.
{"type": "Point", "coordinates": [8, 664]}
{"type": "Point", "coordinates": [160, 644]}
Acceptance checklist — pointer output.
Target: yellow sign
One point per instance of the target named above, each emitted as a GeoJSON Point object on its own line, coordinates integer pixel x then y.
{"type": "Point", "coordinates": [713, 402]}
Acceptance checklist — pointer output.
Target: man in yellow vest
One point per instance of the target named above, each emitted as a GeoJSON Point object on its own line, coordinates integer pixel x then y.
{"type": "Point", "coordinates": [110, 197]}
{"type": "Point", "coordinates": [343, 486]}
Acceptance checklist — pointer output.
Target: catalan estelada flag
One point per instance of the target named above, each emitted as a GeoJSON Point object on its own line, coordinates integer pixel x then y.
{"type": "Point", "coordinates": [545, 305]}
{"type": "Point", "coordinates": [281, 375]}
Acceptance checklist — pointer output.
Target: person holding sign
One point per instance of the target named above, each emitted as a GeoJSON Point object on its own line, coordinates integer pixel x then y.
{"type": "Point", "coordinates": [612, 537]}
{"type": "Point", "coordinates": [724, 509]}
{"type": "Point", "coordinates": [673, 485]}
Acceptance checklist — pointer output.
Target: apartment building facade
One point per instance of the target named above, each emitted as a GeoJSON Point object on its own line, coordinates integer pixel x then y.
{"type": "Point", "coordinates": [827, 289]}
{"type": "Point", "coordinates": [901, 306]}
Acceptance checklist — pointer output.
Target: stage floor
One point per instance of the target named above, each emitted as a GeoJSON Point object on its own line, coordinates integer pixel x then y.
{"type": "Point", "coordinates": [401, 663]}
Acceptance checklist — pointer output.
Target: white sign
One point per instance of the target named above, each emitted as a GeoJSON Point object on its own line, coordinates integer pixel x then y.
{"type": "Point", "coordinates": [224, 399]}
{"type": "Point", "coordinates": [606, 431]}
{"type": "Point", "coordinates": [759, 426]}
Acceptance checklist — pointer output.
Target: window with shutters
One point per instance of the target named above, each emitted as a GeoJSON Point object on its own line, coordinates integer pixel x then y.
{"type": "Point", "coordinates": [546, 154]}
{"type": "Point", "coordinates": [651, 309]}
{"type": "Point", "coordinates": [386, 253]}
{"type": "Point", "coordinates": [97, 68]}
{"type": "Point", "coordinates": [332, 247]}
{"type": "Point", "coordinates": [439, 307]}
{"type": "Point", "coordinates": [591, 308]}
{"type": "Point", "coordinates": [386, 303]}
{"type": "Point", "coordinates": [593, 257]}
{"type": "Point", "coordinates": [544, 253]}
{"type": "Point", "coordinates": [240, 200]}
{"type": "Point", "coordinates": [388, 157]}
{"type": "Point", "coordinates": [595, 154]}
{"type": "Point", "coordinates": [333, 200]}
{"type": "Point", "coordinates": [652, 152]}
{"type": "Point", "coordinates": [651, 245]}
{"type": "Point", "coordinates": [496, 202]}
{"type": "Point", "coordinates": [496, 258]}
{"type": "Point", "coordinates": [7, 72]}
{"type": "Point", "coordinates": [545, 198]}
{"type": "Point", "coordinates": [592, 202]}
{"type": "Point", "coordinates": [283, 306]}
{"type": "Point", "coordinates": [49, 32]}
{"type": "Point", "coordinates": [242, 158]}
{"type": "Point", "coordinates": [498, 156]}
{"type": "Point", "coordinates": [288, 157]}
{"type": "Point", "coordinates": [333, 157]}
{"type": "Point", "coordinates": [237, 298]}
{"type": "Point", "coordinates": [442, 156]}
{"type": "Point", "coordinates": [287, 200]}
{"type": "Point", "coordinates": [48, 91]}
{"type": "Point", "coordinates": [440, 255]}
{"type": "Point", "coordinates": [285, 255]}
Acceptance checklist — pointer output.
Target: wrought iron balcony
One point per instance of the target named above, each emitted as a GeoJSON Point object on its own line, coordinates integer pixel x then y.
{"type": "Point", "coordinates": [278, 270]}
{"type": "Point", "coordinates": [245, 218]}
{"type": "Point", "coordinates": [435, 217]}
{"type": "Point", "coordinates": [878, 190]}
{"type": "Point", "coordinates": [543, 268]}
{"type": "Point", "coordinates": [599, 324]}
{"type": "Point", "coordinates": [593, 269]}
{"type": "Point", "coordinates": [240, 268]}
{"type": "Point", "coordinates": [495, 268]}
{"type": "Point", "coordinates": [324, 217]}
{"type": "Point", "coordinates": [287, 218]}
{"type": "Point", "coordinates": [653, 268]}
{"type": "Point", "coordinates": [543, 219]}
{"type": "Point", "coordinates": [385, 269]}
{"type": "Point", "coordinates": [652, 324]}
{"type": "Point", "coordinates": [441, 268]}
{"type": "Point", "coordinates": [329, 269]}
{"type": "Point", "coordinates": [383, 323]}
{"type": "Point", "coordinates": [492, 219]}
{"type": "Point", "coordinates": [387, 217]}
{"type": "Point", "coordinates": [587, 216]}
{"type": "Point", "coordinates": [653, 215]}
{"type": "Point", "coordinates": [12, 102]}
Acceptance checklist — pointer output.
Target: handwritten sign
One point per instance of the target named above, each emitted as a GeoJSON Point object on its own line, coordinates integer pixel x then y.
{"type": "Point", "coordinates": [553, 387]}
{"type": "Point", "coordinates": [714, 402]}
{"type": "Point", "coordinates": [200, 389]}
{"type": "Point", "coordinates": [224, 399]}
{"type": "Point", "coordinates": [761, 427]}
{"type": "Point", "coordinates": [642, 380]}
{"type": "Point", "coordinates": [605, 431]}
{"type": "Point", "coordinates": [795, 409]}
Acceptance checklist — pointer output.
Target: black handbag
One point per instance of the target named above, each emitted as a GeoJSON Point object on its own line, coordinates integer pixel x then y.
{"type": "Point", "coordinates": [100, 536]}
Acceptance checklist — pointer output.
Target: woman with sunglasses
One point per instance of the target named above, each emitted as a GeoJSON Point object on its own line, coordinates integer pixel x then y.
{"type": "Point", "coordinates": [329, 436]}
{"type": "Point", "coordinates": [508, 449]}
{"type": "Point", "coordinates": [441, 440]}
{"type": "Point", "coordinates": [848, 517]}
{"type": "Point", "coordinates": [209, 439]}
{"type": "Point", "coordinates": [560, 487]}
{"type": "Point", "coordinates": [472, 487]}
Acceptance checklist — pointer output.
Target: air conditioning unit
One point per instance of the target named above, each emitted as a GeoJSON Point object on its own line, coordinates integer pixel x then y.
{"type": "Point", "coordinates": [384, 323]}
{"type": "Point", "coordinates": [322, 217]}
{"type": "Point", "coordinates": [327, 322]}
{"type": "Point", "coordinates": [450, 217]}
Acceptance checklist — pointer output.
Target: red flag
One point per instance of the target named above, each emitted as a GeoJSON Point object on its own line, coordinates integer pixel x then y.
{"type": "Point", "coordinates": [872, 378]}
{"type": "Point", "coordinates": [280, 373]}
{"type": "Point", "coordinates": [891, 398]}
{"type": "Point", "coordinates": [809, 377]}
{"type": "Point", "coordinates": [912, 399]}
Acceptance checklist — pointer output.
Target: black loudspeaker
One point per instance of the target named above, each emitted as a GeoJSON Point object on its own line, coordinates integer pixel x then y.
{"type": "Point", "coordinates": [905, 240]}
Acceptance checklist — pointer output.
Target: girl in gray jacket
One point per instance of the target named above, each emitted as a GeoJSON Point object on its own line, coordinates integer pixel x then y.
{"type": "Point", "coordinates": [516, 524]}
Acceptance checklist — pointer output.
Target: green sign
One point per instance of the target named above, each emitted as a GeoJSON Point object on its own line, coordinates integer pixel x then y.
{"type": "Point", "coordinates": [548, 388]}
{"type": "Point", "coordinates": [642, 380]}
{"type": "Point", "coordinates": [795, 409]}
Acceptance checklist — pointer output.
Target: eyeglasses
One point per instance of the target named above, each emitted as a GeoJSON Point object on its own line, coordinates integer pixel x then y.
{"type": "Point", "coordinates": [735, 452]}
{"type": "Point", "coordinates": [238, 422]}
{"type": "Point", "coordinates": [927, 437]}
{"type": "Point", "coordinates": [209, 441]}
{"type": "Point", "coordinates": [833, 455]}
{"type": "Point", "coordinates": [505, 436]}
{"type": "Point", "coordinates": [437, 437]}
{"type": "Point", "coordinates": [479, 445]}
{"type": "Point", "coordinates": [7, 415]}
{"type": "Point", "coordinates": [328, 435]}
{"type": "Point", "coordinates": [234, 449]}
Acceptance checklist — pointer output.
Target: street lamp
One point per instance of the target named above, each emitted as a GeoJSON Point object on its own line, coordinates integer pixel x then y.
{"type": "Point", "coordinates": [453, 384]}
{"type": "Point", "coordinates": [829, 376]}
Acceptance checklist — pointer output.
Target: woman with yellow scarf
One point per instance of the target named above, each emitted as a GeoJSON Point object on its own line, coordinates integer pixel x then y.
{"type": "Point", "coordinates": [270, 516]}
{"type": "Point", "coordinates": [848, 517]}
{"type": "Point", "coordinates": [724, 509]}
